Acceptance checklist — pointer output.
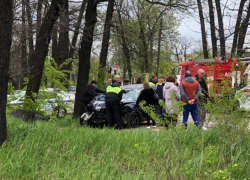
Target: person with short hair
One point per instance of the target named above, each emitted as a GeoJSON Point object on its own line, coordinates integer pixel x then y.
{"type": "Point", "coordinates": [200, 77]}
{"type": "Point", "coordinates": [159, 91]}
{"type": "Point", "coordinates": [108, 83]}
{"type": "Point", "coordinates": [147, 95]}
{"type": "Point", "coordinates": [90, 92]}
{"type": "Point", "coordinates": [171, 95]}
{"type": "Point", "coordinates": [153, 80]}
{"type": "Point", "coordinates": [190, 92]}
{"type": "Point", "coordinates": [126, 82]}
{"type": "Point", "coordinates": [117, 78]}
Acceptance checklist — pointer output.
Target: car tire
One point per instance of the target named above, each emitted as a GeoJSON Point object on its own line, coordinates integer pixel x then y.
{"type": "Point", "coordinates": [134, 120]}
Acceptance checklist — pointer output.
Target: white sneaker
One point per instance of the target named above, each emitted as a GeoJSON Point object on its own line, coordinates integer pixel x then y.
{"type": "Point", "coordinates": [154, 126]}
{"type": "Point", "coordinates": [148, 127]}
{"type": "Point", "coordinates": [204, 128]}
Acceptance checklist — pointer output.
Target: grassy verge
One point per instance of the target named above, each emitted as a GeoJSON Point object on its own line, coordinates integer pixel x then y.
{"type": "Point", "coordinates": [62, 150]}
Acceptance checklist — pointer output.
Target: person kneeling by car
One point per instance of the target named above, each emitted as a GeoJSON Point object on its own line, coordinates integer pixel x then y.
{"type": "Point", "coordinates": [90, 92]}
{"type": "Point", "coordinates": [112, 100]}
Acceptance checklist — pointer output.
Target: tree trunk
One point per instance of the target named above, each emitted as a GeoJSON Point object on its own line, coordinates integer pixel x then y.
{"type": "Point", "coordinates": [85, 52]}
{"type": "Point", "coordinates": [30, 27]}
{"type": "Point", "coordinates": [242, 33]}
{"type": "Point", "coordinates": [237, 25]}
{"type": "Point", "coordinates": [6, 19]}
{"type": "Point", "coordinates": [145, 47]}
{"type": "Point", "coordinates": [212, 28]}
{"type": "Point", "coordinates": [38, 57]}
{"type": "Point", "coordinates": [203, 30]}
{"type": "Point", "coordinates": [159, 49]}
{"type": "Point", "coordinates": [55, 43]}
{"type": "Point", "coordinates": [151, 47]}
{"type": "Point", "coordinates": [63, 45]}
{"type": "Point", "coordinates": [125, 47]}
{"type": "Point", "coordinates": [221, 29]}
{"type": "Point", "coordinates": [105, 41]}
{"type": "Point", "coordinates": [24, 62]}
{"type": "Point", "coordinates": [39, 16]}
{"type": "Point", "coordinates": [77, 28]}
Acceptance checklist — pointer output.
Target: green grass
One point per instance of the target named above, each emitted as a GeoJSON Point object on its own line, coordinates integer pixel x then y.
{"type": "Point", "coordinates": [63, 150]}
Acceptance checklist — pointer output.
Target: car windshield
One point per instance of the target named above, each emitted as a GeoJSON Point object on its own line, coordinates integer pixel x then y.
{"type": "Point", "coordinates": [131, 93]}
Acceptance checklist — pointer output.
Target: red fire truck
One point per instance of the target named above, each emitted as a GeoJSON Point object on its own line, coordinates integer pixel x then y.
{"type": "Point", "coordinates": [216, 69]}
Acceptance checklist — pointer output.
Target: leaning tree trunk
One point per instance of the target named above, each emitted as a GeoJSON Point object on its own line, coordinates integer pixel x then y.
{"type": "Point", "coordinates": [125, 47]}
{"type": "Point", "coordinates": [242, 33]}
{"type": "Point", "coordinates": [6, 19]}
{"type": "Point", "coordinates": [203, 30]}
{"type": "Point", "coordinates": [37, 58]}
{"type": "Point", "coordinates": [39, 16]}
{"type": "Point", "coordinates": [159, 49]}
{"type": "Point", "coordinates": [221, 29]}
{"type": "Point", "coordinates": [85, 52]}
{"type": "Point", "coordinates": [237, 25]}
{"type": "Point", "coordinates": [105, 41]}
{"type": "Point", "coordinates": [212, 28]}
{"type": "Point", "coordinates": [77, 28]}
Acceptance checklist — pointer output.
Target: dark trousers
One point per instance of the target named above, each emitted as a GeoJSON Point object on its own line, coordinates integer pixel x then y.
{"type": "Point", "coordinates": [171, 120]}
{"type": "Point", "coordinates": [193, 109]}
{"type": "Point", "coordinates": [112, 113]}
{"type": "Point", "coordinates": [82, 110]}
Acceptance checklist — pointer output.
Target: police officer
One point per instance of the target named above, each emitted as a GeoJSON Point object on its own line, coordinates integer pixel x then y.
{"type": "Point", "coordinates": [153, 81]}
{"type": "Point", "coordinates": [90, 92]}
{"type": "Point", "coordinates": [113, 98]}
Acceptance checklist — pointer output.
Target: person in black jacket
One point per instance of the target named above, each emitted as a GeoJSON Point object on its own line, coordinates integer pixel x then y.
{"type": "Point", "coordinates": [200, 77]}
{"type": "Point", "coordinates": [90, 92]}
{"type": "Point", "coordinates": [112, 100]}
{"type": "Point", "coordinates": [147, 95]}
{"type": "Point", "coordinates": [159, 91]}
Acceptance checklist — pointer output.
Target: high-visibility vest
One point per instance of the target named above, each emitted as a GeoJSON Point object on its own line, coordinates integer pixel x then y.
{"type": "Point", "coordinates": [116, 90]}
{"type": "Point", "coordinates": [151, 83]}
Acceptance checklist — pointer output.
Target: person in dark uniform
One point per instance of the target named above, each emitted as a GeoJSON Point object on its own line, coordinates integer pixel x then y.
{"type": "Point", "coordinates": [113, 98]}
{"type": "Point", "coordinates": [90, 92]}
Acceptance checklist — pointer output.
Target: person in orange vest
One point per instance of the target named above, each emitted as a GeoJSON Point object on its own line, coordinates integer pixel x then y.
{"type": "Point", "coordinates": [190, 92]}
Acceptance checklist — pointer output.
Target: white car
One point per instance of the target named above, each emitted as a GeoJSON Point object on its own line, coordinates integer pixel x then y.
{"type": "Point", "coordinates": [50, 101]}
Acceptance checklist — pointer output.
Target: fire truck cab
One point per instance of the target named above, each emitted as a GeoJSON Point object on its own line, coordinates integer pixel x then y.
{"type": "Point", "coordinates": [216, 69]}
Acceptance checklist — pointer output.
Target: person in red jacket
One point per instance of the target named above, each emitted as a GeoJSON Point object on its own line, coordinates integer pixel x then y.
{"type": "Point", "coordinates": [190, 92]}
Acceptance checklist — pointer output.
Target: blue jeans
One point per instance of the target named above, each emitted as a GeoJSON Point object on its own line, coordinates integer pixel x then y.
{"type": "Point", "coordinates": [193, 109]}
{"type": "Point", "coordinates": [160, 111]}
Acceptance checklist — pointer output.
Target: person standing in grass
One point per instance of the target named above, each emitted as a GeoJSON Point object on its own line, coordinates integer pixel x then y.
{"type": "Point", "coordinates": [190, 92]}
{"type": "Point", "coordinates": [159, 91]}
{"type": "Point", "coordinates": [200, 77]}
{"type": "Point", "coordinates": [90, 92]}
{"type": "Point", "coordinates": [171, 95]}
{"type": "Point", "coordinates": [147, 95]}
{"type": "Point", "coordinates": [112, 100]}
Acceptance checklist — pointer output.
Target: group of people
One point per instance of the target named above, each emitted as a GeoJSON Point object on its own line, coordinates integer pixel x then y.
{"type": "Point", "coordinates": [192, 91]}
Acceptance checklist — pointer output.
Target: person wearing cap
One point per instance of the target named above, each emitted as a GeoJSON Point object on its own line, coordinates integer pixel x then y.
{"type": "Point", "coordinates": [112, 100]}
{"type": "Point", "coordinates": [90, 92]}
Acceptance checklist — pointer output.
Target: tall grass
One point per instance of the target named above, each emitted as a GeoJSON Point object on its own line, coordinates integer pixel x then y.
{"type": "Point", "coordinates": [63, 150]}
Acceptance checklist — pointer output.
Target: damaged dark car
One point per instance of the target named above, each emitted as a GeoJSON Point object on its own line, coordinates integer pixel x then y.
{"type": "Point", "coordinates": [130, 113]}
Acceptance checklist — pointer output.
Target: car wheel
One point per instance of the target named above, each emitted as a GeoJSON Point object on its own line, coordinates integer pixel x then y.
{"type": "Point", "coordinates": [134, 120]}
{"type": "Point", "coordinates": [60, 111]}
